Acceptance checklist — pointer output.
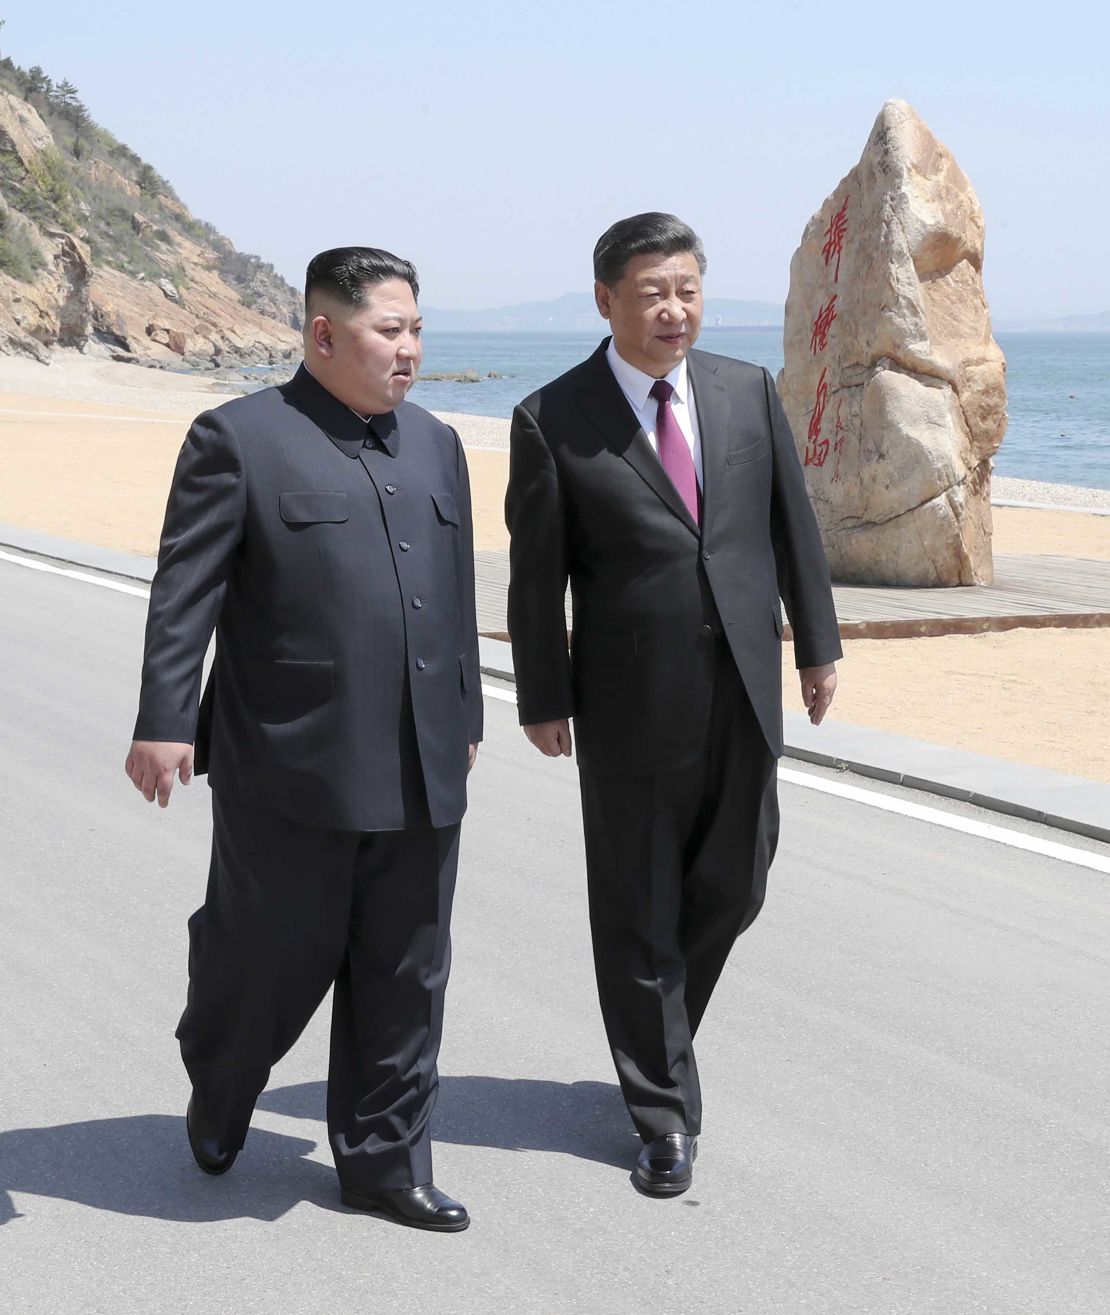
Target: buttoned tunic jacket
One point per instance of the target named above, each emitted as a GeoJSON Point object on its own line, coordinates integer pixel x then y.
{"type": "Point", "coordinates": [339, 578]}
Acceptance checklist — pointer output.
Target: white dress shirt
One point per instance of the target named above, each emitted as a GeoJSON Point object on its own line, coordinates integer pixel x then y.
{"type": "Point", "coordinates": [637, 386]}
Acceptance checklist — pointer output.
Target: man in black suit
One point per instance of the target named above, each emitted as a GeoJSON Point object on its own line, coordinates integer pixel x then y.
{"type": "Point", "coordinates": [324, 529]}
{"type": "Point", "coordinates": [664, 483]}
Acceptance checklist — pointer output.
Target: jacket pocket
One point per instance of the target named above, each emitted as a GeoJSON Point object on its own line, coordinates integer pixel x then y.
{"type": "Point", "coordinates": [752, 452]}
{"type": "Point", "coordinates": [464, 680]}
{"type": "Point", "coordinates": [313, 507]}
{"type": "Point", "coordinates": [292, 683]}
{"type": "Point", "coordinates": [446, 508]}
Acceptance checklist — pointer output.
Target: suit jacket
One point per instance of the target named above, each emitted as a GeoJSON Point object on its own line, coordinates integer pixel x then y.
{"type": "Point", "coordinates": [340, 582]}
{"type": "Point", "coordinates": [589, 499]}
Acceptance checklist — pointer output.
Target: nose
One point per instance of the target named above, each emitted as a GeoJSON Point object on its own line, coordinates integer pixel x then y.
{"type": "Point", "coordinates": [673, 309]}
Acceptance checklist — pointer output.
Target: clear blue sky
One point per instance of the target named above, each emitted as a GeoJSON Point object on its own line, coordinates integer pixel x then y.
{"type": "Point", "coordinates": [492, 144]}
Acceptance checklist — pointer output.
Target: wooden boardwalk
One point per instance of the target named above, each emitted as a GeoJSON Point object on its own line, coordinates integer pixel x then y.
{"type": "Point", "coordinates": [1027, 592]}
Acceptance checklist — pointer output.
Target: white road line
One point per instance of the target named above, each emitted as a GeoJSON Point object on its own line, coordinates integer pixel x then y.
{"type": "Point", "coordinates": [969, 825]}
{"type": "Point", "coordinates": [920, 812]}
{"type": "Point", "coordinates": [871, 798]}
{"type": "Point", "coordinates": [117, 585]}
{"type": "Point", "coordinates": [505, 695]}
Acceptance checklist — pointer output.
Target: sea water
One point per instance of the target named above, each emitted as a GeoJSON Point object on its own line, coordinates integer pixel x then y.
{"type": "Point", "coordinates": [1058, 388]}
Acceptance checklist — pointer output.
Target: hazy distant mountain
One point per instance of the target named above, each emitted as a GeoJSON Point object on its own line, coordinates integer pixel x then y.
{"type": "Point", "coordinates": [576, 310]}
{"type": "Point", "coordinates": [1096, 323]}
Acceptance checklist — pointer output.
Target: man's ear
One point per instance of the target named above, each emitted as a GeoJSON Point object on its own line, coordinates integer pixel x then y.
{"type": "Point", "coordinates": [322, 335]}
{"type": "Point", "coordinates": [602, 295]}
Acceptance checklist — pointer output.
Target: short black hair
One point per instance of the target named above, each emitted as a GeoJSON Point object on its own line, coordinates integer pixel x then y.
{"type": "Point", "coordinates": [653, 233]}
{"type": "Point", "coordinates": [347, 272]}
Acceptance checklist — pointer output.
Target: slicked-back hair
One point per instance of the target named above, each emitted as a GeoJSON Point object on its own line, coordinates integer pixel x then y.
{"type": "Point", "coordinates": [650, 234]}
{"type": "Point", "coordinates": [347, 273]}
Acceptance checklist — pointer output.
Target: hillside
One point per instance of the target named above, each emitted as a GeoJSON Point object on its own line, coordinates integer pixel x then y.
{"type": "Point", "coordinates": [98, 252]}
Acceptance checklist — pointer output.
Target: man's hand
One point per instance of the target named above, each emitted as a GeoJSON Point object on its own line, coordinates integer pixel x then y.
{"type": "Point", "coordinates": [818, 688]}
{"type": "Point", "coordinates": [551, 737]}
{"type": "Point", "coordinates": [151, 765]}
{"type": "Point", "coordinates": [471, 757]}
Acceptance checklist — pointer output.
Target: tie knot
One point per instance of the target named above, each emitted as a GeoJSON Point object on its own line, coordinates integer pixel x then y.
{"type": "Point", "coordinates": [662, 391]}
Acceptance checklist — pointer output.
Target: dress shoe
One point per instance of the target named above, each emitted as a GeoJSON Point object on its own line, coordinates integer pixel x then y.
{"type": "Point", "coordinates": [204, 1145]}
{"type": "Point", "coordinates": [415, 1207]}
{"type": "Point", "coordinates": [665, 1166]}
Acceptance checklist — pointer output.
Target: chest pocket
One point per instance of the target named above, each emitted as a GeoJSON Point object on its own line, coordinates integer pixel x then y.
{"type": "Point", "coordinates": [740, 456]}
{"type": "Point", "coordinates": [446, 508]}
{"type": "Point", "coordinates": [313, 507]}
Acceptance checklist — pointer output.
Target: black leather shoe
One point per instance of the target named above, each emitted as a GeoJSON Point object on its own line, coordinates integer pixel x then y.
{"type": "Point", "coordinates": [206, 1149]}
{"type": "Point", "coordinates": [415, 1207]}
{"type": "Point", "coordinates": [665, 1166]}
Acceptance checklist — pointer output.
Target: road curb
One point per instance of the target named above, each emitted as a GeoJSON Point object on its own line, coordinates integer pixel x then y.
{"type": "Point", "coordinates": [1055, 799]}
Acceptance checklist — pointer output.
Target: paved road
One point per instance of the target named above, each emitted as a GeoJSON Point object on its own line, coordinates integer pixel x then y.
{"type": "Point", "coordinates": [905, 1066]}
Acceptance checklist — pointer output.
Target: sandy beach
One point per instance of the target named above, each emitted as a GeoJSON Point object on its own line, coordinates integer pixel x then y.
{"type": "Point", "coordinates": [88, 448]}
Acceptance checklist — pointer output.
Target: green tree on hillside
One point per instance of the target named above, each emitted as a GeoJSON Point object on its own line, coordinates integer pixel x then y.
{"type": "Point", "coordinates": [64, 98]}
{"type": "Point", "coordinates": [83, 130]}
{"type": "Point", "coordinates": [36, 83]}
{"type": "Point", "coordinates": [150, 184]}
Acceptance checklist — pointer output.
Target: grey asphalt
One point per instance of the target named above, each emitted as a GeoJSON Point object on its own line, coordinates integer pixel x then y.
{"type": "Point", "coordinates": [1067, 802]}
{"type": "Point", "coordinates": [905, 1066]}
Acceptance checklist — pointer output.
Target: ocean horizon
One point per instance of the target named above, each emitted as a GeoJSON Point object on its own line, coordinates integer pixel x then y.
{"type": "Point", "coordinates": [1058, 387]}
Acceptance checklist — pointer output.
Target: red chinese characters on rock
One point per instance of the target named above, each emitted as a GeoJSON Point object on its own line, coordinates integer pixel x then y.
{"type": "Point", "coordinates": [817, 448]}
{"type": "Point", "coordinates": [819, 338]}
{"type": "Point", "coordinates": [838, 445]}
{"type": "Point", "coordinates": [834, 237]}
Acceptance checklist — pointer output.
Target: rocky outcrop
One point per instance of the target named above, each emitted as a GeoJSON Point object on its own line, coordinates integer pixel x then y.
{"type": "Point", "coordinates": [73, 269]}
{"type": "Point", "coordinates": [101, 171]}
{"type": "Point", "coordinates": [893, 383]}
{"type": "Point", "coordinates": [22, 130]}
{"type": "Point", "coordinates": [206, 322]}
{"type": "Point", "coordinates": [97, 253]}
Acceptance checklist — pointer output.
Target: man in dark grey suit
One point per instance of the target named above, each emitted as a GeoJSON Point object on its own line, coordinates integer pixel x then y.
{"type": "Point", "coordinates": [323, 529]}
{"type": "Point", "coordinates": [664, 483]}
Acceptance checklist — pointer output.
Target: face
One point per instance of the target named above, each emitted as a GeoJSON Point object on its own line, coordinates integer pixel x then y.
{"type": "Point", "coordinates": [654, 311]}
{"type": "Point", "coordinates": [367, 355]}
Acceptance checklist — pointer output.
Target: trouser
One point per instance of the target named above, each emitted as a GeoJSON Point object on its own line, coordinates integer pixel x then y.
{"type": "Point", "coordinates": [677, 868]}
{"type": "Point", "coordinates": [289, 911]}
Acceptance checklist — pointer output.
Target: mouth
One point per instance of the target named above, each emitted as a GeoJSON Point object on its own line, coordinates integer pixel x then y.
{"type": "Point", "coordinates": [672, 339]}
{"type": "Point", "coordinates": [403, 372]}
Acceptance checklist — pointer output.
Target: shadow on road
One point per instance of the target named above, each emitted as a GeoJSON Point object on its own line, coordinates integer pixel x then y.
{"type": "Point", "coordinates": [584, 1119]}
{"type": "Point", "coordinates": [142, 1166]}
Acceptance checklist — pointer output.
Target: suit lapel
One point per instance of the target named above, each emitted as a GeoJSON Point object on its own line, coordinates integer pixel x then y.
{"type": "Point", "coordinates": [607, 408]}
{"type": "Point", "coordinates": [713, 406]}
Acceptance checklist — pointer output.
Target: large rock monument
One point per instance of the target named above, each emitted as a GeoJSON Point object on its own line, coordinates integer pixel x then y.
{"type": "Point", "coordinates": [894, 386]}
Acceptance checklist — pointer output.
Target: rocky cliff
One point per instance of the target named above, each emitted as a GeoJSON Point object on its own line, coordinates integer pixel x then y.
{"type": "Point", "coordinates": [97, 252]}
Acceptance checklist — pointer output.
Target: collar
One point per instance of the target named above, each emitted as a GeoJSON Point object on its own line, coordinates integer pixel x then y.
{"type": "Point", "coordinates": [346, 429]}
{"type": "Point", "coordinates": [636, 385]}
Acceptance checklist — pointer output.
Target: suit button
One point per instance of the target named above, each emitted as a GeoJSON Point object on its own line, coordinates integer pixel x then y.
{"type": "Point", "coordinates": [417, 602]}
{"type": "Point", "coordinates": [404, 545]}
{"type": "Point", "coordinates": [707, 630]}
{"type": "Point", "coordinates": [706, 554]}
{"type": "Point", "coordinates": [391, 488]}
{"type": "Point", "coordinates": [420, 664]}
